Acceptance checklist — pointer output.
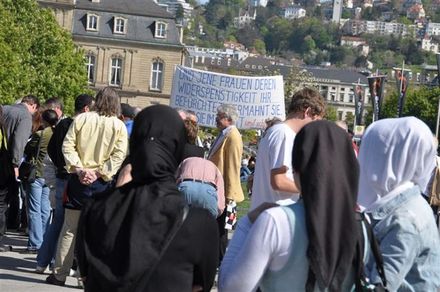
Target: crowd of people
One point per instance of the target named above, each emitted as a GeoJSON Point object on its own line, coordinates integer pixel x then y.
{"type": "Point", "coordinates": [132, 200]}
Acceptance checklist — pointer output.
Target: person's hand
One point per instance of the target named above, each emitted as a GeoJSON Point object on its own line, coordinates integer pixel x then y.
{"type": "Point", "coordinates": [91, 176]}
{"type": "Point", "coordinates": [253, 215]}
{"type": "Point", "coordinates": [280, 170]}
{"type": "Point", "coordinates": [87, 176]}
{"type": "Point", "coordinates": [124, 176]}
{"type": "Point", "coordinates": [16, 172]}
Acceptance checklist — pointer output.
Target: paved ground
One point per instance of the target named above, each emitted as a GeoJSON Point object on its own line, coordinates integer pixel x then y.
{"type": "Point", "coordinates": [17, 270]}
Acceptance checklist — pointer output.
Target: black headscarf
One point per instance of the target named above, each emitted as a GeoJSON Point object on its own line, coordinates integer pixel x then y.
{"type": "Point", "coordinates": [123, 233]}
{"type": "Point", "coordinates": [329, 173]}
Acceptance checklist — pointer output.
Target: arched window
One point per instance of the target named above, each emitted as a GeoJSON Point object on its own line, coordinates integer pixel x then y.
{"type": "Point", "coordinates": [116, 71]}
{"type": "Point", "coordinates": [156, 75]}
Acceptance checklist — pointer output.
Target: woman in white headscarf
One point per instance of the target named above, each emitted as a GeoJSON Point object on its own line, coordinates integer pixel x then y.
{"type": "Point", "coordinates": [396, 161]}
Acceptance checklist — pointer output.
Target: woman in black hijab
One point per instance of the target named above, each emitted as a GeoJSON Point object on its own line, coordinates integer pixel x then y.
{"type": "Point", "coordinates": [310, 245]}
{"type": "Point", "coordinates": [140, 237]}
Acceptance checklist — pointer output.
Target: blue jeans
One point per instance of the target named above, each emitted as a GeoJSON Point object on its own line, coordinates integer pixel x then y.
{"type": "Point", "coordinates": [244, 173]}
{"type": "Point", "coordinates": [38, 212]}
{"type": "Point", "coordinates": [198, 194]}
{"type": "Point", "coordinates": [46, 254]}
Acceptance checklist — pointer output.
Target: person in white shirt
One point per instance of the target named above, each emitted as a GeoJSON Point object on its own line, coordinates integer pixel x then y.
{"type": "Point", "coordinates": [273, 176]}
{"type": "Point", "coordinates": [309, 245]}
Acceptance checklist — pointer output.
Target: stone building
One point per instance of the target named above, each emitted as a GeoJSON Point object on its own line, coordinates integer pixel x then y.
{"type": "Point", "coordinates": [130, 45]}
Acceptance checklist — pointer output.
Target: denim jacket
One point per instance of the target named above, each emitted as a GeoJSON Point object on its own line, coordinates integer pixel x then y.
{"type": "Point", "coordinates": [409, 241]}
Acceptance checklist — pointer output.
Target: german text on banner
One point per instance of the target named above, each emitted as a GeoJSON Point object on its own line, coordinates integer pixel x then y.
{"type": "Point", "coordinates": [256, 98]}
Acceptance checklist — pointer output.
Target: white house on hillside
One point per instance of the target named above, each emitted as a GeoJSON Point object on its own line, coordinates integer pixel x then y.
{"type": "Point", "coordinates": [429, 45]}
{"type": "Point", "coordinates": [294, 12]}
{"type": "Point", "coordinates": [433, 28]}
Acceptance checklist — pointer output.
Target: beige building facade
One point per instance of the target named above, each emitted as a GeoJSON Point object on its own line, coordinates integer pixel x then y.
{"type": "Point", "coordinates": [132, 46]}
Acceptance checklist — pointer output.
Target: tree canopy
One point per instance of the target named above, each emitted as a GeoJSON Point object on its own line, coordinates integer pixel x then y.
{"type": "Point", "coordinates": [421, 103]}
{"type": "Point", "coordinates": [38, 56]}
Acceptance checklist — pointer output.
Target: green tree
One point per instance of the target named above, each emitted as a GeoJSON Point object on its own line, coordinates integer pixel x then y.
{"type": "Point", "coordinates": [247, 36]}
{"type": "Point", "coordinates": [277, 39]}
{"type": "Point", "coordinates": [349, 119]}
{"type": "Point", "coordinates": [308, 44]}
{"type": "Point", "coordinates": [421, 103]}
{"type": "Point", "coordinates": [404, 20]}
{"type": "Point", "coordinates": [180, 13]}
{"type": "Point", "coordinates": [330, 113]}
{"type": "Point", "coordinates": [346, 14]}
{"type": "Point", "coordinates": [260, 46]}
{"type": "Point", "coordinates": [296, 80]}
{"type": "Point", "coordinates": [39, 56]}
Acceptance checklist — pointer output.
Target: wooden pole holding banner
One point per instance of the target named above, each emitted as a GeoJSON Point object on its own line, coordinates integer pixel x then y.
{"type": "Point", "coordinates": [355, 106]}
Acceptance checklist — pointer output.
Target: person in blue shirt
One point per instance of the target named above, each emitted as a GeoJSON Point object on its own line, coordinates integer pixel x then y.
{"type": "Point", "coordinates": [396, 161]}
{"type": "Point", "coordinates": [127, 116]}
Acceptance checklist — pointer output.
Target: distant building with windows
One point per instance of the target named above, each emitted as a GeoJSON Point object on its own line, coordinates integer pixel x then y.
{"type": "Point", "coordinates": [415, 12]}
{"type": "Point", "coordinates": [174, 6]}
{"type": "Point", "coordinates": [294, 12]}
{"type": "Point", "coordinates": [429, 45]}
{"type": "Point", "coordinates": [356, 42]}
{"type": "Point", "coordinates": [256, 3]}
{"type": "Point", "coordinates": [432, 28]}
{"type": "Point", "coordinates": [337, 87]}
{"type": "Point", "coordinates": [407, 4]}
{"type": "Point", "coordinates": [435, 4]}
{"type": "Point", "coordinates": [357, 27]}
{"type": "Point", "coordinates": [132, 46]}
{"type": "Point", "coordinates": [245, 17]}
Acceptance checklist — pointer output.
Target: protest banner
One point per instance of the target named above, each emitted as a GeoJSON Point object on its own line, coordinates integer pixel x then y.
{"type": "Point", "coordinates": [376, 84]}
{"type": "Point", "coordinates": [359, 102]}
{"type": "Point", "coordinates": [256, 98]}
{"type": "Point", "coordinates": [402, 77]}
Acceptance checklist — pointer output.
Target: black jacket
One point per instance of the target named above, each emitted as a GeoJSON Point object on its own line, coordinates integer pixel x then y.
{"type": "Point", "coordinates": [55, 147]}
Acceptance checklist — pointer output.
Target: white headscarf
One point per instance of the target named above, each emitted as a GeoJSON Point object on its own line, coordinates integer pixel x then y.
{"type": "Point", "coordinates": [394, 153]}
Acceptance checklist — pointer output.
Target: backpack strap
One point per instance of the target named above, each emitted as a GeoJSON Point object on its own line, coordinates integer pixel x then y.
{"type": "Point", "coordinates": [3, 142]}
{"type": "Point", "coordinates": [34, 156]}
{"type": "Point", "coordinates": [374, 246]}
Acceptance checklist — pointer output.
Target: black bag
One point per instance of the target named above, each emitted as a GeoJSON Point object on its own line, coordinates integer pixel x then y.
{"type": "Point", "coordinates": [6, 168]}
{"type": "Point", "coordinates": [27, 172]}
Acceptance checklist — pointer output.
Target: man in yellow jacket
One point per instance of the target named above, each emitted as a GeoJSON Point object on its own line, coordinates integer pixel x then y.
{"type": "Point", "coordinates": [225, 153]}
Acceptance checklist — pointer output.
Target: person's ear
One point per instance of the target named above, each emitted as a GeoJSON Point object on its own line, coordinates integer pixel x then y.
{"type": "Point", "coordinates": [308, 113]}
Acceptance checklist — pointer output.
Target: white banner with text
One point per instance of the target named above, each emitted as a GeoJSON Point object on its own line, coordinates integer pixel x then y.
{"type": "Point", "coordinates": [256, 98]}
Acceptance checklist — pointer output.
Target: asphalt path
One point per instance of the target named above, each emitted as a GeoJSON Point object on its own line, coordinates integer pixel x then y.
{"type": "Point", "coordinates": [17, 270]}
